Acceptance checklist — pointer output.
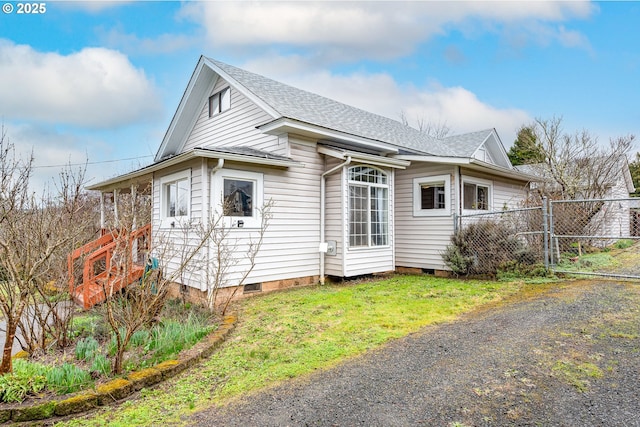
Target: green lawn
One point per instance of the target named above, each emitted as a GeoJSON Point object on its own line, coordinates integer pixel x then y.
{"type": "Point", "coordinates": [288, 334]}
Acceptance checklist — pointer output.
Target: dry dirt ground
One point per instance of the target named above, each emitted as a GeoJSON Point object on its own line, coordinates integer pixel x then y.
{"type": "Point", "coordinates": [559, 355]}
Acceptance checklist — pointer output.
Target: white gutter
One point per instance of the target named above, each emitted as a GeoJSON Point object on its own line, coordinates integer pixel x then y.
{"type": "Point", "coordinates": [286, 125]}
{"type": "Point", "coordinates": [323, 179]}
{"type": "Point", "coordinates": [190, 155]}
{"type": "Point", "coordinates": [471, 164]}
{"type": "Point", "coordinates": [370, 159]}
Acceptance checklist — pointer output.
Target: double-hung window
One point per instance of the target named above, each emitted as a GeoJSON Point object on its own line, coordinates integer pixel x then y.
{"type": "Point", "coordinates": [220, 102]}
{"type": "Point", "coordinates": [175, 197]}
{"type": "Point", "coordinates": [431, 195]}
{"type": "Point", "coordinates": [368, 207]}
{"type": "Point", "coordinates": [477, 196]}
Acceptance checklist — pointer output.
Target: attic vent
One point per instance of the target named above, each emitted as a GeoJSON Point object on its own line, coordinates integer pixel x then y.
{"type": "Point", "coordinates": [220, 102]}
{"type": "Point", "coordinates": [252, 287]}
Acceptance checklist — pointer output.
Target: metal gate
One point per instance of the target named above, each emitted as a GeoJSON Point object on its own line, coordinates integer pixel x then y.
{"type": "Point", "coordinates": [595, 237]}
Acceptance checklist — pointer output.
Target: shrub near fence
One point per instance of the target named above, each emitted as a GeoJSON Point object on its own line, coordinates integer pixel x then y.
{"type": "Point", "coordinates": [488, 242]}
{"type": "Point", "coordinates": [562, 236]}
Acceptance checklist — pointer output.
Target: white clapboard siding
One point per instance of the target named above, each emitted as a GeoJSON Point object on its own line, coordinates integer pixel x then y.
{"type": "Point", "coordinates": [334, 219]}
{"type": "Point", "coordinates": [170, 245]}
{"type": "Point", "coordinates": [506, 193]}
{"type": "Point", "coordinates": [291, 242]}
{"type": "Point", "coordinates": [234, 127]}
{"type": "Point", "coordinates": [421, 240]}
{"type": "Point", "coordinates": [618, 217]}
{"type": "Point", "coordinates": [613, 218]}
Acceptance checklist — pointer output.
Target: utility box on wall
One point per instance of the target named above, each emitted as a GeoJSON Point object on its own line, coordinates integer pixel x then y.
{"type": "Point", "coordinates": [332, 248]}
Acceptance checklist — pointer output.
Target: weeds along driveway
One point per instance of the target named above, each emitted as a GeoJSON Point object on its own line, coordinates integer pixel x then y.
{"type": "Point", "coordinates": [568, 355]}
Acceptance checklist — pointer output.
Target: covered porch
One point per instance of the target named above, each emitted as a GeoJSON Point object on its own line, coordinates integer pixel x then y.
{"type": "Point", "coordinates": [119, 255]}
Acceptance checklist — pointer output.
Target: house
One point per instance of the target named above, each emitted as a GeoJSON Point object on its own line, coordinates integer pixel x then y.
{"type": "Point", "coordinates": [353, 192]}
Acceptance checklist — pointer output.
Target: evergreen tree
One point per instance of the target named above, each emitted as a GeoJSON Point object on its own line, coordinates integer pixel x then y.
{"type": "Point", "coordinates": [526, 149]}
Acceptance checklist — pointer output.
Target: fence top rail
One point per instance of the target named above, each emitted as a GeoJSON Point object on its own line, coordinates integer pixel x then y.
{"type": "Point", "coordinates": [508, 211]}
{"type": "Point", "coordinates": [592, 236]}
{"type": "Point", "coordinates": [626, 199]}
{"type": "Point", "coordinates": [590, 273]}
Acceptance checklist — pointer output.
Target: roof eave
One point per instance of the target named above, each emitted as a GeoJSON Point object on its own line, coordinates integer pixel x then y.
{"type": "Point", "coordinates": [287, 125]}
{"type": "Point", "coordinates": [470, 163]}
{"type": "Point", "coordinates": [118, 181]}
{"type": "Point", "coordinates": [370, 159]}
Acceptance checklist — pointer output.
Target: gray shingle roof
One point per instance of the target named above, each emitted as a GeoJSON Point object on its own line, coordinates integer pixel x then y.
{"type": "Point", "coordinates": [297, 104]}
{"type": "Point", "coordinates": [464, 145]}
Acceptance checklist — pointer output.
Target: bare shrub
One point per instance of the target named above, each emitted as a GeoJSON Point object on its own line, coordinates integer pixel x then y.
{"type": "Point", "coordinates": [484, 247]}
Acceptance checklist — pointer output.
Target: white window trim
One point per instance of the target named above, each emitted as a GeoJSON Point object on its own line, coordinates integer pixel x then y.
{"type": "Point", "coordinates": [417, 195]}
{"type": "Point", "coordinates": [217, 197]}
{"type": "Point", "coordinates": [477, 181]}
{"type": "Point", "coordinates": [167, 221]}
{"type": "Point", "coordinates": [219, 94]}
{"type": "Point", "coordinates": [368, 185]}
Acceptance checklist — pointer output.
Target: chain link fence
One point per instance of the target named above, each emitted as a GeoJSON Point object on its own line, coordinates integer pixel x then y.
{"type": "Point", "coordinates": [485, 242]}
{"type": "Point", "coordinates": [567, 236]}
{"type": "Point", "coordinates": [585, 235]}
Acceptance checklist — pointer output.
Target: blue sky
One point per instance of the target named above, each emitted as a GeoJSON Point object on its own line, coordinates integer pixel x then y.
{"type": "Point", "coordinates": [101, 80]}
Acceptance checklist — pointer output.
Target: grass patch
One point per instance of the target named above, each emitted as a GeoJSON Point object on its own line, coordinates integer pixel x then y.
{"type": "Point", "coordinates": [624, 243]}
{"type": "Point", "coordinates": [588, 262]}
{"type": "Point", "coordinates": [577, 374]}
{"type": "Point", "coordinates": [293, 333]}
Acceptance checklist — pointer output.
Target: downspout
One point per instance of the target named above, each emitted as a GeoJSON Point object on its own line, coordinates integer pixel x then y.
{"type": "Point", "coordinates": [207, 178]}
{"type": "Point", "coordinates": [323, 180]}
{"type": "Point", "coordinates": [456, 217]}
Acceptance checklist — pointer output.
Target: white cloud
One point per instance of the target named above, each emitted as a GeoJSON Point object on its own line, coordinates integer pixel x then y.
{"type": "Point", "coordinates": [134, 45]}
{"type": "Point", "coordinates": [377, 30]}
{"type": "Point", "coordinates": [49, 148]}
{"type": "Point", "coordinates": [53, 150]}
{"type": "Point", "coordinates": [93, 88]}
{"type": "Point", "coordinates": [457, 107]}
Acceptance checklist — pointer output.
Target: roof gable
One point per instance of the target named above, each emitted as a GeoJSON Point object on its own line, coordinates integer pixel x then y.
{"type": "Point", "coordinates": [288, 105]}
{"type": "Point", "coordinates": [484, 145]}
{"type": "Point", "coordinates": [297, 104]}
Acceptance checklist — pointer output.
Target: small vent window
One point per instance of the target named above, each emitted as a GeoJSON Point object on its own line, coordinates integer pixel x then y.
{"type": "Point", "coordinates": [219, 102]}
{"type": "Point", "coordinates": [253, 287]}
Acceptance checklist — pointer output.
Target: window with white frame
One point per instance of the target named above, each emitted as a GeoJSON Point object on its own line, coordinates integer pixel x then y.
{"type": "Point", "coordinates": [431, 195]}
{"type": "Point", "coordinates": [368, 207]}
{"type": "Point", "coordinates": [175, 196]}
{"type": "Point", "coordinates": [220, 102]}
{"type": "Point", "coordinates": [476, 195]}
{"type": "Point", "coordinates": [239, 197]}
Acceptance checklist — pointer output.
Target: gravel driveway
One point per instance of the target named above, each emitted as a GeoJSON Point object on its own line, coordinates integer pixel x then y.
{"type": "Point", "coordinates": [567, 356]}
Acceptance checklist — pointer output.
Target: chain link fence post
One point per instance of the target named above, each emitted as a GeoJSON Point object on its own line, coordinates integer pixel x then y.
{"type": "Point", "coordinates": [551, 234]}
{"type": "Point", "coordinates": [545, 232]}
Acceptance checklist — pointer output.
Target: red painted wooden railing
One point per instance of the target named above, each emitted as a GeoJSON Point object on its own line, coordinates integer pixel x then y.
{"type": "Point", "coordinates": [100, 276]}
